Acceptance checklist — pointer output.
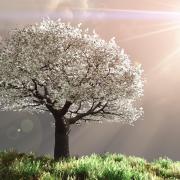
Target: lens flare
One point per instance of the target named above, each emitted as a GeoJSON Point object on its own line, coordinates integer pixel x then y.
{"type": "Point", "coordinates": [97, 14]}
{"type": "Point", "coordinates": [27, 125]}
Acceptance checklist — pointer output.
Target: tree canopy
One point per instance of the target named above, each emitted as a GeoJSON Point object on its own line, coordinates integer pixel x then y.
{"type": "Point", "coordinates": [54, 66]}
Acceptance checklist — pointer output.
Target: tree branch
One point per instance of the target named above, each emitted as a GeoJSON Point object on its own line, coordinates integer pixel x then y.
{"type": "Point", "coordinates": [65, 108]}
{"type": "Point", "coordinates": [88, 119]}
{"type": "Point", "coordinates": [111, 113]}
{"type": "Point", "coordinates": [91, 111]}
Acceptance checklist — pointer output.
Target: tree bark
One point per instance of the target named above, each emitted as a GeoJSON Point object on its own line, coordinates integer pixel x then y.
{"type": "Point", "coordinates": [61, 147]}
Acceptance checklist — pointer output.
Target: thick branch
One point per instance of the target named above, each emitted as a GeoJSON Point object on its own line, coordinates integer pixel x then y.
{"type": "Point", "coordinates": [65, 108]}
{"type": "Point", "coordinates": [48, 103]}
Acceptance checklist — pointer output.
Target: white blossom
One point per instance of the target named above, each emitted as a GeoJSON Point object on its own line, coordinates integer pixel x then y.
{"type": "Point", "coordinates": [59, 63]}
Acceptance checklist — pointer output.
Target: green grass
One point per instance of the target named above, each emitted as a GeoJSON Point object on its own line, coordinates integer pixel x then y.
{"type": "Point", "coordinates": [21, 166]}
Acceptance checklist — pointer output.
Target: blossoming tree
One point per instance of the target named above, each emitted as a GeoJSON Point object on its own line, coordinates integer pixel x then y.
{"type": "Point", "coordinates": [71, 73]}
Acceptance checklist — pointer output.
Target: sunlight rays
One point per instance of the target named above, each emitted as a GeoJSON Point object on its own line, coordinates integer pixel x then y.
{"type": "Point", "coordinates": [152, 33]}
{"type": "Point", "coordinates": [160, 24]}
{"type": "Point", "coordinates": [83, 12]}
{"type": "Point", "coordinates": [118, 14]}
{"type": "Point", "coordinates": [166, 61]}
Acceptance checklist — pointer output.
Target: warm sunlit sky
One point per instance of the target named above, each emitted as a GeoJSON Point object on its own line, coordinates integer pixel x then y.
{"type": "Point", "coordinates": [149, 31]}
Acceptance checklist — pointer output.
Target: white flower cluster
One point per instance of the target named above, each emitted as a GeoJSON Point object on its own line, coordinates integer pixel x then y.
{"type": "Point", "coordinates": [59, 63]}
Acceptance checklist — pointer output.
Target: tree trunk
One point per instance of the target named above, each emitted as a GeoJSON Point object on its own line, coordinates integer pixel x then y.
{"type": "Point", "coordinates": [61, 147]}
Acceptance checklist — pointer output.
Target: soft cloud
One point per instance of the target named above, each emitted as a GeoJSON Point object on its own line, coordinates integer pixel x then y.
{"type": "Point", "coordinates": [66, 7]}
{"type": "Point", "coordinates": [64, 4]}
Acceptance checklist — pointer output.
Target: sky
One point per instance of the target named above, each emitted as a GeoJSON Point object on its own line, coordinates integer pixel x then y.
{"type": "Point", "coordinates": [149, 31]}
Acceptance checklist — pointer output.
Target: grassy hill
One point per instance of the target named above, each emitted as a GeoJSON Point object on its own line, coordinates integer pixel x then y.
{"type": "Point", "coordinates": [16, 166]}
